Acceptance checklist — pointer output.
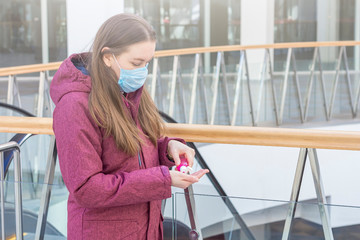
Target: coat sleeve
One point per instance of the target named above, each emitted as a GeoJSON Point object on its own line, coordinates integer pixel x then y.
{"type": "Point", "coordinates": [79, 149]}
{"type": "Point", "coordinates": [162, 146]}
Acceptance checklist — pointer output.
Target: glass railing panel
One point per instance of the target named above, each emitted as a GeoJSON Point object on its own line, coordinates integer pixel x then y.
{"type": "Point", "coordinates": [280, 57]}
{"type": "Point", "coordinates": [33, 154]}
{"type": "Point", "coordinates": [303, 58]}
{"type": "Point", "coordinates": [28, 90]}
{"type": "Point", "coordinates": [329, 57]}
{"type": "Point", "coordinates": [264, 218]}
{"type": "Point", "coordinates": [243, 111]}
{"type": "Point", "coordinates": [338, 172]}
{"type": "Point", "coordinates": [57, 214]}
{"type": "Point", "coordinates": [3, 88]}
{"type": "Point", "coordinates": [163, 83]}
{"type": "Point", "coordinates": [342, 106]}
{"type": "Point", "coordinates": [269, 172]}
{"type": "Point", "coordinates": [184, 84]}
{"type": "Point", "coordinates": [223, 105]}
{"type": "Point", "coordinates": [9, 112]}
{"type": "Point", "coordinates": [351, 54]}
{"type": "Point", "coordinates": [5, 137]}
{"type": "Point", "coordinates": [316, 109]}
{"type": "Point", "coordinates": [253, 171]}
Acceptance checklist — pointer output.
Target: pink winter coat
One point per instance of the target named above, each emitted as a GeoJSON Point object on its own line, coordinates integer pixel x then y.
{"type": "Point", "coordinates": [112, 195]}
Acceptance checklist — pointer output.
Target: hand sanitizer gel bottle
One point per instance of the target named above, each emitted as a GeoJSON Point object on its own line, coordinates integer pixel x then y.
{"type": "Point", "coordinates": [183, 166]}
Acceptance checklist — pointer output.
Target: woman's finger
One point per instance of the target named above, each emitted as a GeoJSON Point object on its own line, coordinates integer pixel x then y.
{"type": "Point", "coordinates": [176, 159]}
{"type": "Point", "coordinates": [199, 174]}
{"type": "Point", "coordinates": [190, 154]}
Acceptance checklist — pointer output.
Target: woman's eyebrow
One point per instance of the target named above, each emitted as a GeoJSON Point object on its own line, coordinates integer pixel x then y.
{"type": "Point", "coordinates": [142, 59]}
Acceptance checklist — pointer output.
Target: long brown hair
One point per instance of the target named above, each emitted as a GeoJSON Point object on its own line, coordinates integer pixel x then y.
{"type": "Point", "coordinates": [105, 101]}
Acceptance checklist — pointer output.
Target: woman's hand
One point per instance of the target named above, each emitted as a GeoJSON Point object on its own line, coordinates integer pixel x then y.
{"type": "Point", "coordinates": [176, 149]}
{"type": "Point", "coordinates": [183, 180]}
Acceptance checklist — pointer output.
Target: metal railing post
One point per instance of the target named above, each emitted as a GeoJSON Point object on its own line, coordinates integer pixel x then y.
{"type": "Point", "coordinates": [193, 90]}
{"type": "Point", "coordinates": [349, 88]}
{"type": "Point", "coordinates": [357, 99]}
{"type": "Point", "coordinates": [297, 87]}
{"type": "Point", "coordinates": [181, 92]}
{"type": "Point", "coordinates": [173, 213]}
{"type": "Point", "coordinates": [13, 91]}
{"type": "Point", "coordinates": [2, 179]}
{"type": "Point", "coordinates": [273, 90]}
{"type": "Point", "coordinates": [324, 213]}
{"type": "Point", "coordinates": [249, 90]}
{"type": "Point", "coordinates": [225, 85]}
{"type": "Point", "coordinates": [310, 84]}
{"type": "Point", "coordinates": [322, 81]}
{"type": "Point", "coordinates": [237, 88]}
{"type": "Point", "coordinates": [203, 90]}
{"type": "Point", "coordinates": [154, 78]}
{"type": "Point", "coordinates": [284, 86]}
{"type": "Point", "coordinates": [10, 93]}
{"type": "Point", "coordinates": [13, 146]}
{"type": "Point", "coordinates": [41, 91]}
{"type": "Point", "coordinates": [332, 100]}
{"type": "Point", "coordinates": [299, 173]}
{"type": "Point", "coordinates": [173, 86]}
{"type": "Point", "coordinates": [160, 90]}
{"type": "Point", "coordinates": [18, 197]}
{"type": "Point", "coordinates": [46, 191]}
{"type": "Point", "coordinates": [216, 84]}
{"type": "Point", "coordinates": [261, 89]}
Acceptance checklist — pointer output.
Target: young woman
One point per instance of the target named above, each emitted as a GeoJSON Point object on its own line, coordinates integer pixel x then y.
{"type": "Point", "coordinates": [113, 156]}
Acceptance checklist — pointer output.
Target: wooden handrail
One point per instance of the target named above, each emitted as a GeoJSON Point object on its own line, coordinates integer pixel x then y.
{"type": "Point", "coordinates": [186, 51]}
{"type": "Point", "coordinates": [29, 69]}
{"type": "Point", "coordinates": [281, 137]}
{"type": "Point", "coordinates": [34, 125]}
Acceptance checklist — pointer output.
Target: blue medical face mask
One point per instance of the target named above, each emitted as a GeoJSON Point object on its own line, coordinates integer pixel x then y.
{"type": "Point", "coordinates": [132, 80]}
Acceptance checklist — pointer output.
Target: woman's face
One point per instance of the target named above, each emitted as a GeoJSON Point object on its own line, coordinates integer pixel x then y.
{"type": "Point", "coordinates": [136, 56]}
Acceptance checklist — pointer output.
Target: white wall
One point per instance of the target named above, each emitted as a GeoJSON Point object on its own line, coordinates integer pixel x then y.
{"type": "Point", "coordinates": [257, 22]}
{"type": "Point", "coordinates": [84, 17]}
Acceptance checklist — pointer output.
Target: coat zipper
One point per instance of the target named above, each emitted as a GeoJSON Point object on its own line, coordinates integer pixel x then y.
{"type": "Point", "coordinates": [128, 106]}
{"type": "Point", "coordinates": [139, 159]}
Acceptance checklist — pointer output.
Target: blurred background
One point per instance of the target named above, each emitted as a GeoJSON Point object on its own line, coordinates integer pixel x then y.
{"type": "Point", "coordinates": [41, 31]}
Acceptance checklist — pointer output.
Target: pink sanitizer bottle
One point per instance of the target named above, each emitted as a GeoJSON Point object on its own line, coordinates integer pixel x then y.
{"type": "Point", "coordinates": [183, 166]}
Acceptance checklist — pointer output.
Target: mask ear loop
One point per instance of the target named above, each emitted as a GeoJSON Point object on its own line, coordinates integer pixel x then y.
{"type": "Point", "coordinates": [117, 63]}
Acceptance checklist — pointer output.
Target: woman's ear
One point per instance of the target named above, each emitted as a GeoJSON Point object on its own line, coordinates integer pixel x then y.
{"type": "Point", "coordinates": [107, 56]}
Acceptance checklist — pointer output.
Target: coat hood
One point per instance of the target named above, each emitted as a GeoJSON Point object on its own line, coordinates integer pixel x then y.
{"type": "Point", "coordinates": [70, 78]}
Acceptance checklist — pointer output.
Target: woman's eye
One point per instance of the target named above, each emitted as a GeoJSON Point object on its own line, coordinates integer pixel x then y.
{"type": "Point", "coordinates": [136, 64]}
